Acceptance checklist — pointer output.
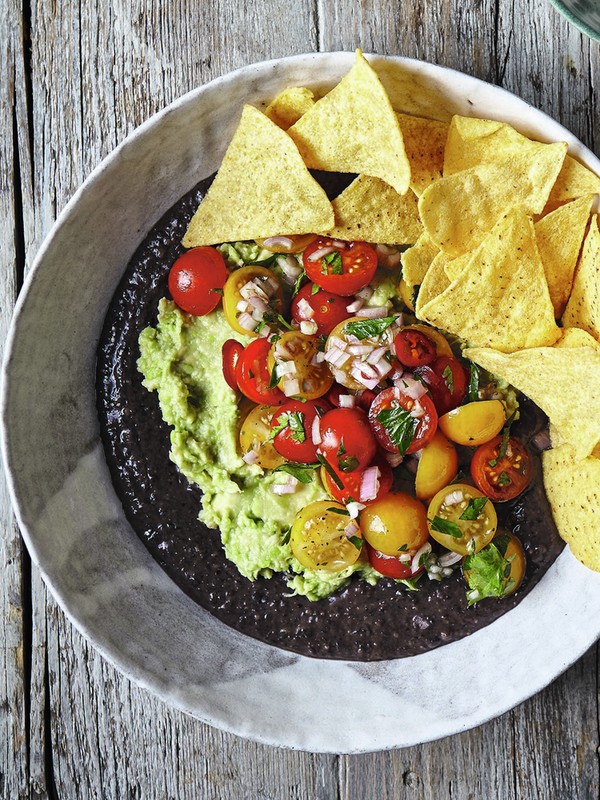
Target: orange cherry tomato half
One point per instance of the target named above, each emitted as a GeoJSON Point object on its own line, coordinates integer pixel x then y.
{"type": "Point", "coordinates": [340, 267]}
{"type": "Point", "coordinates": [231, 351]}
{"type": "Point", "coordinates": [348, 486]}
{"type": "Point", "coordinates": [413, 348]}
{"type": "Point", "coordinates": [501, 476]}
{"type": "Point", "coordinates": [395, 427]}
{"type": "Point", "coordinates": [196, 280]}
{"type": "Point", "coordinates": [253, 376]}
{"type": "Point", "coordinates": [324, 308]}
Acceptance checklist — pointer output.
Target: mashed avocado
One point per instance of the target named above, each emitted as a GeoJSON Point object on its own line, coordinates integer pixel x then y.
{"type": "Point", "coordinates": [181, 360]}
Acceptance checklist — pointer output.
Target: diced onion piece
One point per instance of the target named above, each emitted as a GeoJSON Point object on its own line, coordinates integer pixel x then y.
{"type": "Point", "coordinates": [454, 498]}
{"type": "Point", "coordinates": [278, 241]}
{"type": "Point", "coordinates": [347, 401]}
{"type": "Point", "coordinates": [360, 349]}
{"type": "Point", "coordinates": [258, 303]}
{"type": "Point", "coordinates": [448, 559]}
{"type": "Point", "coordinates": [321, 252]}
{"type": "Point", "coordinates": [318, 358]}
{"type": "Point", "coordinates": [265, 332]}
{"type": "Point", "coordinates": [355, 306]}
{"type": "Point", "coordinates": [291, 387]}
{"type": "Point", "coordinates": [351, 528]}
{"type": "Point", "coordinates": [339, 244]}
{"type": "Point", "coordinates": [354, 509]}
{"type": "Point", "coordinates": [315, 433]}
{"type": "Point", "coordinates": [394, 459]}
{"type": "Point", "coordinates": [336, 357]}
{"type": "Point", "coordinates": [365, 293]}
{"type": "Point", "coordinates": [283, 488]}
{"type": "Point", "coordinates": [246, 322]}
{"type": "Point", "coordinates": [382, 367]}
{"type": "Point", "coordinates": [411, 387]}
{"type": "Point", "coordinates": [373, 312]}
{"type": "Point", "coordinates": [417, 411]}
{"type": "Point", "coordinates": [369, 485]}
{"type": "Point", "coordinates": [251, 457]}
{"type": "Point", "coordinates": [426, 548]}
{"type": "Point", "coordinates": [282, 353]}
{"type": "Point", "coordinates": [335, 341]}
{"type": "Point", "coordinates": [286, 368]}
{"type": "Point", "coordinates": [309, 327]}
{"type": "Point", "coordinates": [242, 305]}
{"type": "Point", "coordinates": [376, 354]}
{"type": "Point", "coordinates": [305, 309]}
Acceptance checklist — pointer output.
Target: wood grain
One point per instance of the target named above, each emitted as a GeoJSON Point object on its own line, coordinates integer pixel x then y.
{"type": "Point", "coordinates": [79, 77]}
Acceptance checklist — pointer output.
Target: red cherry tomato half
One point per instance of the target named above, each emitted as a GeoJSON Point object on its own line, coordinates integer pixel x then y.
{"type": "Point", "coordinates": [231, 351]}
{"type": "Point", "coordinates": [295, 420]}
{"type": "Point", "coordinates": [324, 308]}
{"type": "Point", "coordinates": [414, 348]}
{"type": "Point", "coordinates": [352, 481]}
{"type": "Point", "coordinates": [395, 430]}
{"type": "Point", "coordinates": [501, 476]}
{"type": "Point", "coordinates": [390, 566]}
{"type": "Point", "coordinates": [340, 267]}
{"type": "Point", "coordinates": [253, 376]}
{"type": "Point", "coordinates": [347, 442]}
{"type": "Point", "coordinates": [196, 280]}
{"type": "Point", "coordinates": [446, 380]}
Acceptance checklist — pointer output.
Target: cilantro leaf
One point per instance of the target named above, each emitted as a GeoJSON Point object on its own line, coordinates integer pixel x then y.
{"type": "Point", "coordinates": [488, 574]}
{"type": "Point", "coordinates": [411, 583]}
{"type": "Point", "coordinates": [504, 479]}
{"type": "Point", "coordinates": [334, 510]}
{"type": "Point", "coordinates": [330, 470]}
{"type": "Point", "coordinates": [369, 327]}
{"type": "Point", "coordinates": [348, 463]}
{"type": "Point", "coordinates": [400, 426]}
{"type": "Point", "coordinates": [448, 377]}
{"type": "Point", "coordinates": [315, 289]}
{"type": "Point", "coordinates": [447, 527]}
{"type": "Point", "coordinates": [331, 264]}
{"type": "Point", "coordinates": [274, 379]}
{"type": "Point", "coordinates": [298, 283]}
{"type": "Point", "coordinates": [302, 472]}
{"type": "Point", "coordinates": [356, 541]}
{"type": "Point", "coordinates": [473, 390]}
{"type": "Point", "coordinates": [285, 537]}
{"type": "Point", "coordinates": [294, 420]}
{"type": "Point", "coordinates": [474, 508]}
{"type": "Point", "coordinates": [504, 442]}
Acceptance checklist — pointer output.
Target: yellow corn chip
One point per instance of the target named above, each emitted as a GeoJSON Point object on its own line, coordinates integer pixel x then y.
{"type": "Point", "coordinates": [262, 189]}
{"type": "Point", "coordinates": [583, 308]}
{"type": "Point", "coordinates": [289, 105]}
{"type": "Point", "coordinates": [574, 180]}
{"type": "Point", "coordinates": [424, 141]}
{"type": "Point", "coordinates": [575, 337]}
{"type": "Point", "coordinates": [563, 381]}
{"type": "Point", "coordinates": [500, 296]}
{"type": "Point", "coordinates": [354, 129]}
{"type": "Point", "coordinates": [433, 284]}
{"type": "Point", "coordinates": [559, 237]}
{"type": "Point", "coordinates": [416, 260]}
{"type": "Point", "coordinates": [472, 141]}
{"type": "Point", "coordinates": [573, 490]}
{"type": "Point", "coordinates": [369, 209]}
{"type": "Point", "coordinates": [455, 266]}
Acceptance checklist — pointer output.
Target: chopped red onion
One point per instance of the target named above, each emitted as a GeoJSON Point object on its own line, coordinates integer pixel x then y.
{"type": "Point", "coordinates": [347, 401]}
{"type": "Point", "coordinates": [308, 327]}
{"type": "Point", "coordinates": [355, 306]}
{"type": "Point", "coordinates": [305, 310]}
{"type": "Point", "coordinates": [291, 388]}
{"type": "Point", "coordinates": [336, 357]}
{"type": "Point", "coordinates": [449, 558]}
{"type": "Point", "coordinates": [382, 367]}
{"type": "Point", "coordinates": [281, 352]}
{"type": "Point", "coordinates": [365, 293]}
{"type": "Point", "coordinates": [286, 368]}
{"type": "Point", "coordinates": [411, 387]}
{"type": "Point", "coordinates": [360, 349]}
{"type": "Point", "coordinates": [541, 441]}
{"type": "Point", "coordinates": [369, 485]}
{"type": "Point", "coordinates": [278, 241]}
{"type": "Point", "coordinates": [315, 432]}
{"type": "Point", "coordinates": [318, 358]}
{"type": "Point", "coordinates": [265, 332]}
{"type": "Point", "coordinates": [339, 244]}
{"type": "Point", "coordinates": [454, 498]}
{"type": "Point", "coordinates": [246, 322]}
{"type": "Point", "coordinates": [394, 459]}
{"type": "Point", "coordinates": [426, 548]}
{"type": "Point", "coordinates": [417, 411]}
{"type": "Point", "coordinates": [242, 305]}
{"type": "Point", "coordinates": [351, 529]}
{"type": "Point", "coordinates": [251, 457]}
{"type": "Point", "coordinates": [284, 488]}
{"type": "Point", "coordinates": [354, 509]}
{"type": "Point", "coordinates": [321, 252]}
{"type": "Point", "coordinates": [373, 312]}
{"type": "Point", "coordinates": [376, 354]}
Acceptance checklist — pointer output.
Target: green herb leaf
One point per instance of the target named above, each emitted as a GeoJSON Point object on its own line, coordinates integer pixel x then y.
{"type": "Point", "coordinates": [473, 390]}
{"type": "Point", "coordinates": [331, 264]}
{"type": "Point", "coordinates": [447, 527]}
{"type": "Point", "coordinates": [298, 283]}
{"type": "Point", "coordinates": [335, 510]}
{"type": "Point", "coordinates": [369, 327]}
{"type": "Point", "coordinates": [399, 425]}
{"type": "Point", "coordinates": [217, 291]}
{"type": "Point", "coordinates": [448, 377]}
{"type": "Point", "coordinates": [488, 574]}
{"type": "Point", "coordinates": [330, 471]}
{"type": "Point", "coordinates": [348, 463]}
{"type": "Point", "coordinates": [285, 538]}
{"type": "Point", "coordinates": [274, 317]}
{"type": "Point", "coordinates": [302, 472]}
{"type": "Point", "coordinates": [503, 479]}
{"type": "Point", "coordinates": [356, 541]}
{"type": "Point", "coordinates": [474, 508]}
{"type": "Point", "coordinates": [294, 420]}
{"type": "Point", "coordinates": [504, 442]}
{"type": "Point", "coordinates": [411, 583]}
{"type": "Point", "coordinates": [315, 288]}
{"type": "Point", "coordinates": [274, 379]}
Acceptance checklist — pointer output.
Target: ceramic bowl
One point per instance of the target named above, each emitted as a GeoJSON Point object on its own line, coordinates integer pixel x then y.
{"type": "Point", "coordinates": [73, 523]}
{"type": "Point", "coordinates": [585, 14]}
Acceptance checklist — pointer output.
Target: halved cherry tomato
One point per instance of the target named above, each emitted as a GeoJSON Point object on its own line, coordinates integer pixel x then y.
{"type": "Point", "coordinates": [295, 420]}
{"type": "Point", "coordinates": [266, 282]}
{"type": "Point", "coordinates": [196, 280]}
{"type": "Point", "coordinates": [319, 537]}
{"type": "Point", "coordinates": [351, 482]}
{"type": "Point", "coordinates": [340, 267]}
{"type": "Point", "coordinates": [231, 352]}
{"type": "Point", "coordinates": [287, 244]}
{"type": "Point", "coordinates": [324, 308]}
{"type": "Point", "coordinates": [390, 566]}
{"type": "Point", "coordinates": [442, 347]}
{"type": "Point", "coordinates": [294, 356]}
{"type": "Point", "coordinates": [446, 380]}
{"type": "Point", "coordinates": [437, 466]}
{"type": "Point", "coordinates": [414, 348]}
{"type": "Point", "coordinates": [502, 476]}
{"type": "Point", "coordinates": [395, 524]}
{"type": "Point", "coordinates": [347, 442]}
{"type": "Point", "coordinates": [255, 435]}
{"type": "Point", "coordinates": [474, 423]}
{"type": "Point", "coordinates": [401, 424]}
{"type": "Point", "coordinates": [461, 518]}
{"type": "Point", "coordinates": [253, 376]}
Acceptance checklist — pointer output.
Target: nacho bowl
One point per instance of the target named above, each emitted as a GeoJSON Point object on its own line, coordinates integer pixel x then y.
{"type": "Point", "coordinates": [75, 527]}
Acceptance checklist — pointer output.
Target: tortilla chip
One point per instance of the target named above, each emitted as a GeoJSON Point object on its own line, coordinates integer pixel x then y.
{"type": "Point", "coordinates": [575, 337]}
{"type": "Point", "coordinates": [559, 237]}
{"type": "Point", "coordinates": [433, 284]}
{"type": "Point", "coordinates": [289, 106]}
{"type": "Point", "coordinates": [424, 141]}
{"type": "Point", "coordinates": [500, 296]}
{"type": "Point", "coordinates": [583, 308]}
{"type": "Point", "coordinates": [262, 189]}
{"type": "Point", "coordinates": [354, 129]}
{"type": "Point", "coordinates": [458, 211]}
{"type": "Point", "coordinates": [455, 266]}
{"type": "Point", "coordinates": [416, 260]}
{"type": "Point", "coordinates": [370, 210]}
{"type": "Point", "coordinates": [563, 381]}
{"type": "Point", "coordinates": [573, 490]}
{"type": "Point", "coordinates": [574, 180]}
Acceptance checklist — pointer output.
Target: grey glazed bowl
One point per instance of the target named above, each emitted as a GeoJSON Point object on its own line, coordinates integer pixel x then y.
{"type": "Point", "coordinates": [584, 14]}
{"type": "Point", "coordinates": [97, 568]}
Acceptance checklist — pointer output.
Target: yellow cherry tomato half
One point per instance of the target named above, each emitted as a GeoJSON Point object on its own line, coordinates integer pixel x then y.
{"type": "Point", "coordinates": [474, 423]}
{"type": "Point", "coordinates": [287, 244]}
{"type": "Point", "coordinates": [294, 354]}
{"type": "Point", "coordinates": [441, 345]}
{"type": "Point", "coordinates": [255, 434]}
{"type": "Point", "coordinates": [321, 539]}
{"type": "Point", "coordinates": [462, 519]}
{"type": "Point", "coordinates": [264, 279]}
{"type": "Point", "coordinates": [407, 294]}
{"type": "Point", "coordinates": [438, 465]}
{"type": "Point", "coordinates": [395, 524]}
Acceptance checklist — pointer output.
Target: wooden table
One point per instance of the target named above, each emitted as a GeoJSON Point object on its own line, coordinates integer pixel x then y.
{"type": "Point", "coordinates": [77, 77]}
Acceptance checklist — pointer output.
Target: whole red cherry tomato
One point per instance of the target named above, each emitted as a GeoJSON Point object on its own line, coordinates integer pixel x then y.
{"type": "Point", "coordinates": [347, 442]}
{"type": "Point", "coordinates": [324, 308]}
{"type": "Point", "coordinates": [340, 267]}
{"type": "Point", "coordinates": [393, 423]}
{"type": "Point", "coordinates": [253, 376]}
{"type": "Point", "coordinates": [196, 280]}
{"type": "Point", "coordinates": [230, 352]}
{"type": "Point", "coordinates": [294, 425]}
